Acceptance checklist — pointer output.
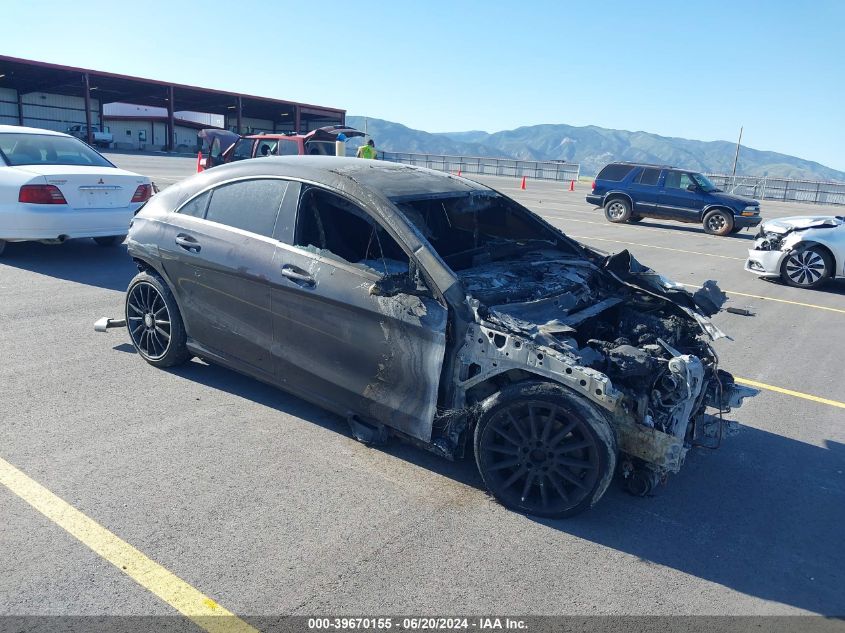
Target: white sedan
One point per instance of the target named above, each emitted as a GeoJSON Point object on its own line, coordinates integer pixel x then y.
{"type": "Point", "coordinates": [804, 251]}
{"type": "Point", "coordinates": [54, 187]}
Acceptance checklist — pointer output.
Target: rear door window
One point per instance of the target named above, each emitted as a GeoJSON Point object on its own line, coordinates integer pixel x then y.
{"type": "Point", "coordinates": [197, 206]}
{"type": "Point", "coordinates": [614, 172]}
{"type": "Point", "coordinates": [243, 149]}
{"type": "Point", "coordinates": [649, 176]}
{"type": "Point", "coordinates": [266, 148]}
{"type": "Point", "coordinates": [249, 205]}
{"type": "Point", "coordinates": [288, 148]}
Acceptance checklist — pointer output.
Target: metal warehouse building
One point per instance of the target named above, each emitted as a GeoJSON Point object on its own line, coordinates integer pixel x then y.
{"type": "Point", "coordinates": [52, 96]}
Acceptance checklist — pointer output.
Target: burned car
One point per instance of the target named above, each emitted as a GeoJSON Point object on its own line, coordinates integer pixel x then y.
{"type": "Point", "coordinates": [803, 251]}
{"type": "Point", "coordinates": [429, 307]}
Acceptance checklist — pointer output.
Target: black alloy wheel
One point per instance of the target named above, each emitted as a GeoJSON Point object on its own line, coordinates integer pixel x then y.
{"type": "Point", "coordinates": [154, 323]}
{"type": "Point", "coordinates": [543, 451]}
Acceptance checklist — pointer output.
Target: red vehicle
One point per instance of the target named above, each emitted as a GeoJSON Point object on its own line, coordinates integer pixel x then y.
{"type": "Point", "coordinates": [225, 147]}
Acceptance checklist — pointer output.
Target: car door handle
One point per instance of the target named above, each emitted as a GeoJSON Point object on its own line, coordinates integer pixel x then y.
{"type": "Point", "coordinates": [188, 243]}
{"type": "Point", "coordinates": [297, 275]}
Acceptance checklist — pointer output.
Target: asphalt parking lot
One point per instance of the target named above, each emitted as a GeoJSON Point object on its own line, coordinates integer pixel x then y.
{"type": "Point", "coordinates": [267, 505]}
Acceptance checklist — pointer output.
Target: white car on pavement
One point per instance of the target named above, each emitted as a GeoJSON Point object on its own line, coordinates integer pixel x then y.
{"type": "Point", "coordinates": [54, 187]}
{"type": "Point", "coordinates": [804, 251]}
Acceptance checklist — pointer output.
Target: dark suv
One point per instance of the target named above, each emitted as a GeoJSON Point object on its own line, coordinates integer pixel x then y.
{"type": "Point", "coordinates": [630, 192]}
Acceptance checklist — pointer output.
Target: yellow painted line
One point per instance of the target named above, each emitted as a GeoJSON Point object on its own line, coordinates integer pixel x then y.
{"type": "Point", "coordinates": [663, 248]}
{"type": "Point", "coordinates": [789, 392]}
{"type": "Point", "coordinates": [795, 303]}
{"type": "Point", "coordinates": [199, 608]}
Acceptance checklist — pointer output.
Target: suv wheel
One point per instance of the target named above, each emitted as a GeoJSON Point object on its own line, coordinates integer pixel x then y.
{"type": "Point", "coordinates": [718, 222]}
{"type": "Point", "coordinates": [617, 210]}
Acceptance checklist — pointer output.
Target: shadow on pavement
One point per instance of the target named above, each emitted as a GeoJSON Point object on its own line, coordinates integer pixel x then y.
{"type": "Point", "coordinates": [81, 261]}
{"type": "Point", "coordinates": [832, 287]}
{"type": "Point", "coordinates": [763, 515]}
{"type": "Point", "coordinates": [695, 228]}
{"type": "Point", "coordinates": [245, 387]}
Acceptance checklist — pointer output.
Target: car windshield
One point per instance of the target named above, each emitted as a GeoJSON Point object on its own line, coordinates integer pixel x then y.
{"type": "Point", "coordinates": [46, 149]}
{"type": "Point", "coordinates": [704, 182]}
{"type": "Point", "coordinates": [466, 229]}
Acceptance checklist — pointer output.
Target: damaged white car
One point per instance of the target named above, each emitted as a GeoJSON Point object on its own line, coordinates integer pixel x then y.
{"type": "Point", "coordinates": [803, 251]}
{"type": "Point", "coordinates": [431, 308]}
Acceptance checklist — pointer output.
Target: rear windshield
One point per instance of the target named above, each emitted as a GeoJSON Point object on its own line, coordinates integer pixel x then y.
{"type": "Point", "coordinates": [46, 149]}
{"type": "Point", "coordinates": [614, 172]}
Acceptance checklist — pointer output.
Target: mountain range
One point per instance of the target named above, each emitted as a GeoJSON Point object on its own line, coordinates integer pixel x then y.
{"type": "Point", "coordinates": [593, 147]}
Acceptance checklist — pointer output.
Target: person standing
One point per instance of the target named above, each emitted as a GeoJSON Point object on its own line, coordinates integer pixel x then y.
{"type": "Point", "coordinates": [368, 150]}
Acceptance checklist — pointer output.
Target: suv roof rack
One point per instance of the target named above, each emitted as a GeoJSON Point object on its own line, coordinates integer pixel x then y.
{"type": "Point", "coordinates": [632, 162]}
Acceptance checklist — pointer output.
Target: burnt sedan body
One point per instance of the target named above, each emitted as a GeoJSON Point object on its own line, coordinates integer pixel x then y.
{"type": "Point", "coordinates": [430, 307]}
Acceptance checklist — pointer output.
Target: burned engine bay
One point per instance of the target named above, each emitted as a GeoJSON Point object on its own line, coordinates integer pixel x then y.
{"type": "Point", "coordinates": [606, 327]}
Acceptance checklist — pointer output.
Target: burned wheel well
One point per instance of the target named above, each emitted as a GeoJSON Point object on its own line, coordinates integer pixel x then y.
{"type": "Point", "coordinates": [491, 385]}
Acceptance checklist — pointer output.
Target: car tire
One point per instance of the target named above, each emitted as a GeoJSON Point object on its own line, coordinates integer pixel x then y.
{"type": "Point", "coordinates": [154, 322]}
{"type": "Point", "coordinates": [806, 268]}
{"type": "Point", "coordinates": [109, 240]}
{"type": "Point", "coordinates": [617, 210]}
{"type": "Point", "coordinates": [2, 246]}
{"type": "Point", "coordinates": [544, 450]}
{"type": "Point", "coordinates": [718, 222]}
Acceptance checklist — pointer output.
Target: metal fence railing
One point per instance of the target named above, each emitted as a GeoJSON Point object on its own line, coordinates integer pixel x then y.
{"type": "Point", "coordinates": [542, 170]}
{"type": "Point", "coordinates": [785, 189]}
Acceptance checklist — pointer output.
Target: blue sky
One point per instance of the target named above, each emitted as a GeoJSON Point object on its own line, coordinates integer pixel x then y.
{"type": "Point", "coordinates": [694, 70]}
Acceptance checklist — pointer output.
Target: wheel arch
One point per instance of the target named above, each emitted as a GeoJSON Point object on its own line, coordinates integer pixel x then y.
{"type": "Point", "coordinates": [611, 195]}
{"type": "Point", "coordinates": [804, 244]}
{"type": "Point", "coordinates": [715, 207]}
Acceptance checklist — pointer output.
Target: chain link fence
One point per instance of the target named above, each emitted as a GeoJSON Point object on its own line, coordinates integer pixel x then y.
{"type": "Point", "coordinates": [541, 170]}
{"type": "Point", "coordinates": [784, 189]}
{"type": "Point", "coordinates": [762, 188]}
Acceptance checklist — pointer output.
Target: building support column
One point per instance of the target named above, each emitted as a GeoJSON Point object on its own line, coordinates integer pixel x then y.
{"type": "Point", "coordinates": [297, 119]}
{"type": "Point", "coordinates": [86, 82]}
{"type": "Point", "coordinates": [20, 107]}
{"type": "Point", "coordinates": [240, 110]}
{"type": "Point", "coordinates": [171, 123]}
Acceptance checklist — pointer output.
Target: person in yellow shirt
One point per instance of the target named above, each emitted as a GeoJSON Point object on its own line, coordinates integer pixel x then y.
{"type": "Point", "coordinates": [368, 150]}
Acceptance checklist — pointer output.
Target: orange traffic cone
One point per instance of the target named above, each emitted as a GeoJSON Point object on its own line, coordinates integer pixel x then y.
{"type": "Point", "coordinates": [572, 185]}
{"type": "Point", "coordinates": [199, 162]}
{"type": "Point", "coordinates": [523, 183]}
{"type": "Point", "coordinates": [459, 171]}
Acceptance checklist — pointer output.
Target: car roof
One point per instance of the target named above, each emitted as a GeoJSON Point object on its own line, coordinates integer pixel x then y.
{"type": "Point", "coordinates": [19, 129]}
{"type": "Point", "coordinates": [633, 164]}
{"type": "Point", "coordinates": [392, 180]}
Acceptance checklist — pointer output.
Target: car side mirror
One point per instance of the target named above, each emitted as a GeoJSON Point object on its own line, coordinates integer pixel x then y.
{"type": "Point", "coordinates": [692, 187]}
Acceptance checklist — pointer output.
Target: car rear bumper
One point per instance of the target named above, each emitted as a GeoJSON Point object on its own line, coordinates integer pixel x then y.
{"type": "Point", "coordinates": [49, 222]}
{"type": "Point", "coordinates": [764, 263]}
{"type": "Point", "coordinates": [596, 200]}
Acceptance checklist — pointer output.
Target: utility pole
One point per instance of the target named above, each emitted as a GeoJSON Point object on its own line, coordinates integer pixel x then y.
{"type": "Point", "coordinates": [736, 158]}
